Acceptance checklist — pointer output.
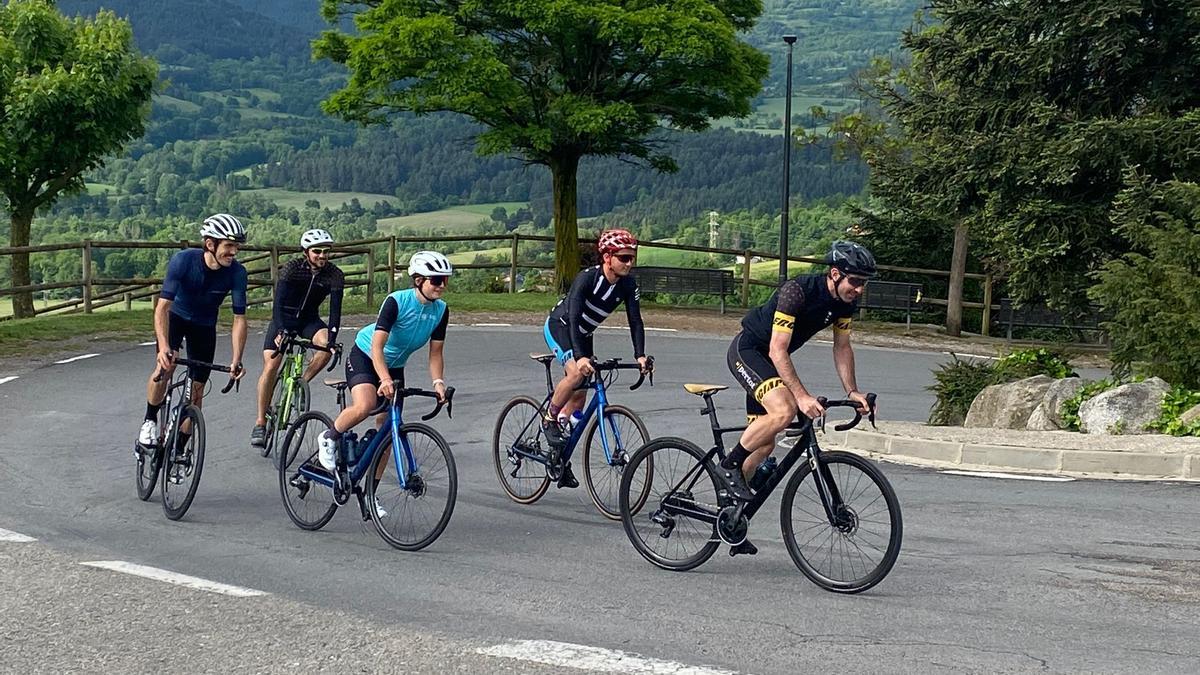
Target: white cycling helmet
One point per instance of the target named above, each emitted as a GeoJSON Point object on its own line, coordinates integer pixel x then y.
{"type": "Point", "coordinates": [315, 238]}
{"type": "Point", "coordinates": [223, 226]}
{"type": "Point", "coordinates": [429, 264]}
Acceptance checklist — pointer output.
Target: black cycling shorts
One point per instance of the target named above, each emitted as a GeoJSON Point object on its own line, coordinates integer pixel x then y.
{"type": "Point", "coordinates": [360, 370]}
{"type": "Point", "coordinates": [752, 367]}
{"type": "Point", "coordinates": [201, 342]}
{"type": "Point", "coordinates": [307, 331]}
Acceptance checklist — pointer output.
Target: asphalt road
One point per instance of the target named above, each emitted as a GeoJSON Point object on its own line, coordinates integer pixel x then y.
{"type": "Point", "coordinates": [995, 575]}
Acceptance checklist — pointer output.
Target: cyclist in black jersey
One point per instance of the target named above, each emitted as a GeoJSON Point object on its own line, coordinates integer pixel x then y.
{"type": "Point", "coordinates": [303, 285]}
{"type": "Point", "coordinates": [760, 356]}
{"type": "Point", "coordinates": [594, 294]}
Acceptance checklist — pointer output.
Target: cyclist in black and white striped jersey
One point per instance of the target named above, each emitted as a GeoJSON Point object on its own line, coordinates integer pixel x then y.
{"type": "Point", "coordinates": [594, 294]}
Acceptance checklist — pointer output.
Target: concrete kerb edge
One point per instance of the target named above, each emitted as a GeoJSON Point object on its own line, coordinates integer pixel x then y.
{"type": "Point", "coordinates": [1046, 461]}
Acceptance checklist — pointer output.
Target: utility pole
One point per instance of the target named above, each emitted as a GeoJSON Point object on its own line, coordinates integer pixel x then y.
{"type": "Point", "coordinates": [712, 232]}
{"type": "Point", "coordinates": [787, 166]}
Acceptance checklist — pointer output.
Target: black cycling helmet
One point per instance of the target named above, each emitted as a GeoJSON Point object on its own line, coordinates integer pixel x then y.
{"type": "Point", "coordinates": [852, 258]}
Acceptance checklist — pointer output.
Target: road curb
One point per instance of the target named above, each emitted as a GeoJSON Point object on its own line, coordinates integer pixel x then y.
{"type": "Point", "coordinates": [1055, 461]}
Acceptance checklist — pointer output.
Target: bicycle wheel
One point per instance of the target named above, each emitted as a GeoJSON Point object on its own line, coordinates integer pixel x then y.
{"type": "Point", "coordinates": [857, 551]}
{"type": "Point", "coordinates": [681, 480]}
{"type": "Point", "coordinates": [625, 433]}
{"type": "Point", "coordinates": [309, 505]}
{"type": "Point", "coordinates": [525, 480]}
{"type": "Point", "coordinates": [182, 464]}
{"type": "Point", "coordinates": [149, 460]}
{"type": "Point", "coordinates": [413, 517]}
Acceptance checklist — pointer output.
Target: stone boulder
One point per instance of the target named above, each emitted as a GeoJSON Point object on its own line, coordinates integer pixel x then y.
{"type": "Point", "coordinates": [1040, 420]}
{"type": "Point", "coordinates": [1008, 406]}
{"type": "Point", "coordinates": [1190, 415]}
{"type": "Point", "coordinates": [1126, 409]}
{"type": "Point", "coordinates": [1057, 394]}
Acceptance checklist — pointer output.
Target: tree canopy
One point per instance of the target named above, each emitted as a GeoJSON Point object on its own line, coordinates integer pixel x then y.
{"type": "Point", "coordinates": [551, 80]}
{"type": "Point", "coordinates": [72, 91]}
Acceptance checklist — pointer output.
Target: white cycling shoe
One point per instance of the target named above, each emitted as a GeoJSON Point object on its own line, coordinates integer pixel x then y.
{"type": "Point", "coordinates": [327, 453]}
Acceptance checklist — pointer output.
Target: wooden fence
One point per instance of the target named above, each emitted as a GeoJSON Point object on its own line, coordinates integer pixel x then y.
{"type": "Point", "coordinates": [380, 255]}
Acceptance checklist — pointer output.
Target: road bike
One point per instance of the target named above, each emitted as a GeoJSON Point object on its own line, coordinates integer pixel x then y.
{"type": "Point", "coordinates": [290, 395]}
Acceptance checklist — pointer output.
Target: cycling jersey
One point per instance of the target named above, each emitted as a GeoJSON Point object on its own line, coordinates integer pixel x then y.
{"type": "Point", "coordinates": [589, 302]}
{"type": "Point", "coordinates": [300, 291]}
{"type": "Point", "coordinates": [409, 324]}
{"type": "Point", "coordinates": [196, 292]}
{"type": "Point", "coordinates": [802, 306]}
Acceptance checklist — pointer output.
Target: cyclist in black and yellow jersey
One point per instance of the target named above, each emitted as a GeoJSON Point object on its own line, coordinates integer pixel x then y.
{"type": "Point", "coordinates": [760, 356]}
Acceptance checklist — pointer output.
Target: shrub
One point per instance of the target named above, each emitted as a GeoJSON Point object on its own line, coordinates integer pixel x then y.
{"type": "Point", "coordinates": [958, 383]}
{"type": "Point", "coordinates": [1177, 401]}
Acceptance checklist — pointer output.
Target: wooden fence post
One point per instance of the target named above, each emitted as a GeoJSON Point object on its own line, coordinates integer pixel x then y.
{"type": "Point", "coordinates": [391, 279]}
{"type": "Point", "coordinates": [87, 277]}
{"type": "Point", "coordinates": [745, 278]}
{"type": "Point", "coordinates": [986, 329]}
{"type": "Point", "coordinates": [370, 277]}
{"type": "Point", "coordinates": [512, 266]}
{"type": "Point", "coordinates": [128, 301]}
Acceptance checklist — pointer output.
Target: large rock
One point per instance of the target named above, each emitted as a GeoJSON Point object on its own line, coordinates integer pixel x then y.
{"type": "Point", "coordinates": [1008, 406]}
{"type": "Point", "coordinates": [1126, 409]}
{"type": "Point", "coordinates": [1190, 415]}
{"type": "Point", "coordinates": [1051, 405]}
{"type": "Point", "coordinates": [1040, 421]}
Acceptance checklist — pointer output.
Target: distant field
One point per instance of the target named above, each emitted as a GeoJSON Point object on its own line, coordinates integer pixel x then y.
{"type": "Point", "coordinates": [287, 199]}
{"type": "Point", "coordinates": [455, 218]}
{"type": "Point", "coordinates": [265, 94]}
{"type": "Point", "coordinates": [257, 114]}
{"type": "Point", "coordinates": [176, 104]}
{"type": "Point", "coordinates": [97, 188]}
{"type": "Point", "coordinates": [468, 257]}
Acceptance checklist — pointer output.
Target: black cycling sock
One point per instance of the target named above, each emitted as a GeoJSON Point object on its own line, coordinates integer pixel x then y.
{"type": "Point", "coordinates": [735, 457]}
{"type": "Point", "coordinates": [152, 411]}
{"type": "Point", "coordinates": [181, 441]}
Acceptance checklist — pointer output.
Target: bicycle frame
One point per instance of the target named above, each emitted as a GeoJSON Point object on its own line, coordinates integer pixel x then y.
{"type": "Point", "coordinates": [391, 428]}
{"type": "Point", "coordinates": [292, 370]}
{"type": "Point", "coordinates": [831, 498]}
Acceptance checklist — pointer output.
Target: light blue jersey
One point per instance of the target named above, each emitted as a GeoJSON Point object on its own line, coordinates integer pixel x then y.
{"type": "Point", "coordinates": [409, 325]}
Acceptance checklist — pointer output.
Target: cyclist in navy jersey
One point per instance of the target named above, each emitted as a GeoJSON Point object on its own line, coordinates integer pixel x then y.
{"type": "Point", "coordinates": [407, 320]}
{"type": "Point", "coordinates": [594, 294]}
{"type": "Point", "coordinates": [196, 283]}
{"type": "Point", "coordinates": [303, 285]}
{"type": "Point", "coordinates": [760, 357]}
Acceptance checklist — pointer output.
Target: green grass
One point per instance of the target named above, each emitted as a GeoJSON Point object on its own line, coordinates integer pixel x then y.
{"type": "Point", "coordinates": [38, 303]}
{"type": "Point", "coordinates": [258, 114]}
{"type": "Point", "coordinates": [454, 219]}
{"type": "Point", "coordinates": [486, 209]}
{"type": "Point", "coordinates": [287, 199]}
{"type": "Point", "coordinates": [468, 257]}
{"type": "Point", "coordinates": [265, 94]}
{"type": "Point", "coordinates": [176, 104]}
{"type": "Point", "coordinates": [98, 188]}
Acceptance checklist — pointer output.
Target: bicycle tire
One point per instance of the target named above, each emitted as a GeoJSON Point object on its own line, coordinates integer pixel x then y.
{"type": "Point", "coordinates": [848, 537]}
{"type": "Point", "coordinates": [272, 416]}
{"type": "Point", "coordinates": [502, 442]}
{"type": "Point", "coordinates": [191, 470]}
{"type": "Point", "coordinates": [604, 479]}
{"type": "Point", "coordinates": [300, 446]}
{"type": "Point", "coordinates": [402, 503]}
{"type": "Point", "coordinates": [297, 406]}
{"type": "Point", "coordinates": [643, 531]}
{"type": "Point", "coordinates": [147, 471]}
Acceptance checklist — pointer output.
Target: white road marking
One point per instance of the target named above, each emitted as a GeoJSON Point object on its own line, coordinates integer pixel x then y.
{"type": "Point", "coordinates": [492, 325]}
{"type": "Point", "coordinates": [14, 537]}
{"type": "Point", "coordinates": [665, 330]}
{"type": "Point", "coordinates": [78, 358]}
{"type": "Point", "coordinates": [174, 578]}
{"type": "Point", "coordinates": [147, 344]}
{"type": "Point", "coordinates": [10, 378]}
{"type": "Point", "coordinates": [592, 658]}
{"type": "Point", "coordinates": [1013, 476]}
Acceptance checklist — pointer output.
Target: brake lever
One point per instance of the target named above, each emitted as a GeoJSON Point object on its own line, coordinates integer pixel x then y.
{"type": "Point", "coordinates": [337, 356]}
{"type": "Point", "coordinates": [871, 408]}
{"type": "Point", "coordinates": [448, 403]}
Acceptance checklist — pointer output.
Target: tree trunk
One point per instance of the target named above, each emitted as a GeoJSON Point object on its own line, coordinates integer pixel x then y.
{"type": "Point", "coordinates": [564, 171]}
{"type": "Point", "coordinates": [22, 303]}
{"type": "Point", "coordinates": [958, 267]}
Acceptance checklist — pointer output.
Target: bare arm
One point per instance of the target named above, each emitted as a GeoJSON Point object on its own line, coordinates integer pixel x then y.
{"type": "Point", "coordinates": [843, 361]}
{"type": "Point", "coordinates": [162, 311]}
{"type": "Point", "coordinates": [240, 331]}
{"type": "Point", "coordinates": [437, 366]}
{"type": "Point", "coordinates": [784, 366]}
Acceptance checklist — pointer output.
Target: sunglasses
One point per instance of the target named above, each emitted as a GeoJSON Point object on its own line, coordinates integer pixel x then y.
{"type": "Point", "coordinates": [857, 282]}
{"type": "Point", "coordinates": [319, 251]}
{"type": "Point", "coordinates": [438, 280]}
{"type": "Point", "coordinates": [625, 257]}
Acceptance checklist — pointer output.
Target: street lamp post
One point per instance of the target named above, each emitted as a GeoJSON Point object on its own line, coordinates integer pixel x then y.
{"type": "Point", "coordinates": [787, 166]}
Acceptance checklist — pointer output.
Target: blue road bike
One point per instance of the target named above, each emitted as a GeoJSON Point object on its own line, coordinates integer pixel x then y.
{"type": "Point", "coordinates": [410, 503]}
{"type": "Point", "coordinates": [526, 463]}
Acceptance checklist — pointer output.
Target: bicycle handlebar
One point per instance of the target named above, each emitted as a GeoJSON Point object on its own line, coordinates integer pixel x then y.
{"type": "Point", "coordinates": [850, 403]}
{"type": "Point", "coordinates": [292, 338]}
{"type": "Point", "coordinates": [211, 366]}
{"type": "Point", "coordinates": [448, 402]}
{"type": "Point", "coordinates": [615, 364]}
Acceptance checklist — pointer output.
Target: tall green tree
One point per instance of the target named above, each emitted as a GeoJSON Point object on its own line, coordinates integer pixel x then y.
{"type": "Point", "coordinates": [72, 91]}
{"type": "Point", "coordinates": [1018, 121]}
{"type": "Point", "coordinates": [552, 81]}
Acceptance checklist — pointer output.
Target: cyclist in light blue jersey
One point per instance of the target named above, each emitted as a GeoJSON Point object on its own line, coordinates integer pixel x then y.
{"type": "Point", "coordinates": [407, 320]}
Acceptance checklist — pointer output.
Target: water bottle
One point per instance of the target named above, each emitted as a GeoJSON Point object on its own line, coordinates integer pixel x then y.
{"type": "Point", "coordinates": [363, 442]}
{"type": "Point", "coordinates": [762, 474]}
{"type": "Point", "coordinates": [349, 446]}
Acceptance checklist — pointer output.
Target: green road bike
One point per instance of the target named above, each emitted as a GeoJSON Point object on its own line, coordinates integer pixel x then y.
{"type": "Point", "coordinates": [290, 396]}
